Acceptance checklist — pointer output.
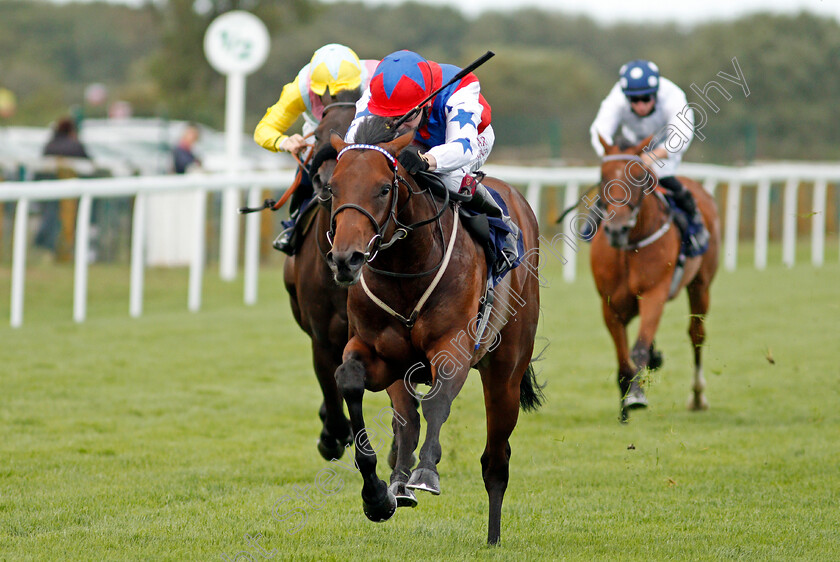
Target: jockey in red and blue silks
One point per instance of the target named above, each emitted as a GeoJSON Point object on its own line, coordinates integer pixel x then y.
{"type": "Point", "coordinates": [453, 135]}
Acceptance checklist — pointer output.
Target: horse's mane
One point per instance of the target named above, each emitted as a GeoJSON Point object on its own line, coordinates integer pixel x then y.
{"type": "Point", "coordinates": [376, 130]}
{"type": "Point", "coordinates": [348, 95]}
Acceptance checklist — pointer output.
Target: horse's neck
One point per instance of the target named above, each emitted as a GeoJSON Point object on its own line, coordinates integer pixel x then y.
{"type": "Point", "coordinates": [421, 250]}
{"type": "Point", "coordinates": [651, 217]}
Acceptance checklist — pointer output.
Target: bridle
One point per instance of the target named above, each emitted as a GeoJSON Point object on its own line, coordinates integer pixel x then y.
{"type": "Point", "coordinates": [636, 209]}
{"type": "Point", "coordinates": [401, 231]}
{"type": "Point", "coordinates": [337, 104]}
{"type": "Point", "coordinates": [375, 244]}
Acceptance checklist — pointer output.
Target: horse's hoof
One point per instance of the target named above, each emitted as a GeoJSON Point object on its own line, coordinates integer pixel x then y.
{"type": "Point", "coordinates": [330, 452]}
{"type": "Point", "coordinates": [332, 448]}
{"type": "Point", "coordinates": [424, 479]}
{"type": "Point", "coordinates": [635, 402]}
{"type": "Point", "coordinates": [698, 405]}
{"type": "Point", "coordinates": [382, 510]}
{"type": "Point", "coordinates": [635, 398]}
{"type": "Point", "coordinates": [405, 497]}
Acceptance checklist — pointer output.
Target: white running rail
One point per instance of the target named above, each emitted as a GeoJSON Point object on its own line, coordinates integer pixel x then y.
{"type": "Point", "coordinates": [573, 180]}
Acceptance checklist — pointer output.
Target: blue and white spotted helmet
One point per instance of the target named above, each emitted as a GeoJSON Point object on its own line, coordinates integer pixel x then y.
{"type": "Point", "coordinates": [639, 77]}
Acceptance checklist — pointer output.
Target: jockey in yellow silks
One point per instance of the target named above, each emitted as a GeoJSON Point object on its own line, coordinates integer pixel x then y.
{"type": "Point", "coordinates": [333, 68]}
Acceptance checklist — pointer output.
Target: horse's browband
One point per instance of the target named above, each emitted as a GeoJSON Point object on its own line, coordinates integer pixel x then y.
{"type": "Point", "coordinates": [387, 154]}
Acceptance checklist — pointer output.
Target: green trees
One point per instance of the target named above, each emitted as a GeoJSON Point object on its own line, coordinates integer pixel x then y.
{"type": "Point", "coordinates": [545, 83]}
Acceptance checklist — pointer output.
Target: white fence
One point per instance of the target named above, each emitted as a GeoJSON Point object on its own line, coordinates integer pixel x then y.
{"type": "Point", "coordinates": [140, 187]}
{"type": "Point", "coordinates": [533, 179]}
{"type": "Point", "coordinates": [761, 177]}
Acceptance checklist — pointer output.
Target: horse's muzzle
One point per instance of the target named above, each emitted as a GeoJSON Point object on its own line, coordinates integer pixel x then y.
{"type": "Point", "coordinates": [346, 266]}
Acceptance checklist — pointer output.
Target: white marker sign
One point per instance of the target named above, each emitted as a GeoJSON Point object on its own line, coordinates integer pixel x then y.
{"type": "Point", "coordinates": [236, 43]}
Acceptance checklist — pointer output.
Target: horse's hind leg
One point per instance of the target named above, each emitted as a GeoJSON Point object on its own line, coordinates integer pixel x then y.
{"type": "Point", "coordinates": [406, 426]}
{"type": "Point", "coordinates": [698, 298]}
{"type": "Point", "coordinates": [501, 403]}
{"type": "Point", "coordinates": [656, 358]}
{"type": "Point", "coordinates": [335, 432]}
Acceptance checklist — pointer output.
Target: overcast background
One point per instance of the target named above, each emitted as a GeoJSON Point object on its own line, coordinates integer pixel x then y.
{"type": "Point", "coordinates": [612, 11]}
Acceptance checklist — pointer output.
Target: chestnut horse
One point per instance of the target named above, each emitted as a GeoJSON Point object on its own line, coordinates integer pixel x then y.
{"type": "Point", "coordinates": [414, 314]}
{"type": "Point", "coordinates": [320, 306]}
{"type": "Point", "coordinates": [633, 258]}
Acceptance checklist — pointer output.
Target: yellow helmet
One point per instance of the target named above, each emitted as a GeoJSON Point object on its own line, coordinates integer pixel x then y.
{"type": "Point", "coordinates": [335, 67]}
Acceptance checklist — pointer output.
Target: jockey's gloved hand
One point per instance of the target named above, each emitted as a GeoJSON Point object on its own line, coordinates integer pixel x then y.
{"type": "Point", "coordinates": [412, 161]}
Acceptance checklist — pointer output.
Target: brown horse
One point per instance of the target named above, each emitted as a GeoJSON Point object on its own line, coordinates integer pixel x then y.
{"type": "Point", "coordinates": [413, 316]}
{"type": "Point", "coordinates": [320, 306]}
{"type": "Point", "coordinates": [633, 258]}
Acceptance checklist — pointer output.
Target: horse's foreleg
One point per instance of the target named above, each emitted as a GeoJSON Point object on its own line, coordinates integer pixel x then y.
{"type": "Point", "coordinates": [698, 299]}
{"type": "Point", "coordinates": [617, 327]}
{"type": "Point", "coordinates": [335, 433]}
{"type": "Point", "coordinates": [378, 501]}
{"type": "Point", "coordinates": [437, 404]}
{"type": "Point", "coordinates": [651, 306]}
{"type": "Point", "coordinates": [406, 428]}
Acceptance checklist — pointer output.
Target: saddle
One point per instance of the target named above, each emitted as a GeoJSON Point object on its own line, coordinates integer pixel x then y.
{"type": "Point", "coordinates": [692, 244]}
{"type": "Point", "coordinates": [489, 232]}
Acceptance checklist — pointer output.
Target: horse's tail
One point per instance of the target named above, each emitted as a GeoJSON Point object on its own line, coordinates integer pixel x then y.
{"type": "Point", "coordinates": [531, 395]}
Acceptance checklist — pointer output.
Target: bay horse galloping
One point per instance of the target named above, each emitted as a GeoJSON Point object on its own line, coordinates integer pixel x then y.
{"type": "Point", "coordinates": [634, 256]}
{"type": "Point", "coordinates": [318, 305]}
{"type": "Point", "coordinates": [418, 307]}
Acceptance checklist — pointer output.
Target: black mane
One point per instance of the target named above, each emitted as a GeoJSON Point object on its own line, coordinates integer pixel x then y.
{"type": "Point", "coordinates": [348, 95]}
{"type": "Point", "coordinates": [375, 130]}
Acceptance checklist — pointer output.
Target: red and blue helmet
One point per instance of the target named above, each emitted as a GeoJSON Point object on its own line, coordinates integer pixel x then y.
{"type": "Point", "coordinates": [639, 77]}
{"type": "Point", "coordinates": [400, 82]}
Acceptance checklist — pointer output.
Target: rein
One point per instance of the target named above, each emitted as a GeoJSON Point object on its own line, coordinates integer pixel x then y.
{"type": "Point", "coordinates": [277, 205]}
{"type": "Point", "coordinates": [337, 104]}
{"type": "Point", "coordinates": [302, 165]}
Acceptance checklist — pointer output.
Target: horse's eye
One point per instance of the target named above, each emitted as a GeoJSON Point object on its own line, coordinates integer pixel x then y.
{"type": "Point", "coordinates": [328, 188]}
{"type": "Point", "coordinates": [386, 189]}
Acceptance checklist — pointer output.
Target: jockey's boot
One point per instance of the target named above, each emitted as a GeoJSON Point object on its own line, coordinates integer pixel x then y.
{"type": "Point", "coordinates": [286, 241]}
{"type": "Point", "coordinates": [593, 221]}
{"type": "Point", "coordinates": [483, 202]}
{"type": "Point", "coordinates": [697, 232]}
{"type": "Point", "coordinates": [283, 242]}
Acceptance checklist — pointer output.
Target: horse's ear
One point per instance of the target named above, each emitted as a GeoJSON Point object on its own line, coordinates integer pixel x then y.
{"type": "Point", "coordinates": [607, 146]}
{"type": "Point", "coordinates": [399, 143]}
{"type": "Point", "coordinates": [642, 146]}
{"type": "Point", "coordinates": [337, 142]}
